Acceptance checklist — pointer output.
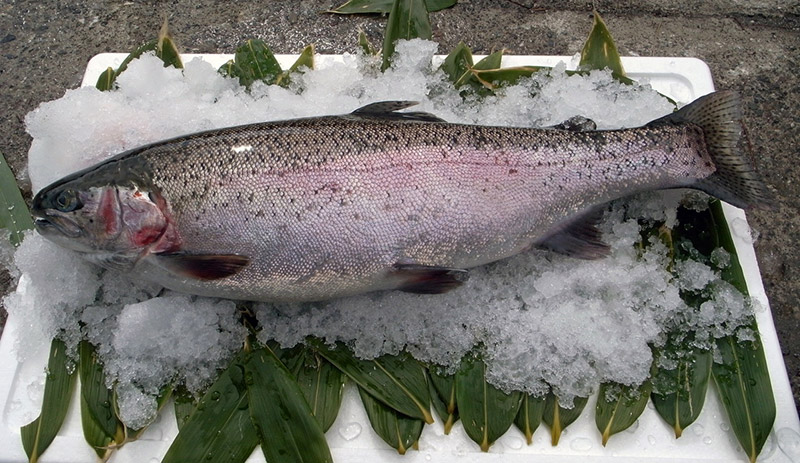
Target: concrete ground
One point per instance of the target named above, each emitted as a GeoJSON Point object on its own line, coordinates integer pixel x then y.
{"type": "Point", "coordinates": [751, 46]}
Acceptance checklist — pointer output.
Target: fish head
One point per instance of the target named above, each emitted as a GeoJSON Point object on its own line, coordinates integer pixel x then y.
{"type": "Point", "coordinates": [113, 224]}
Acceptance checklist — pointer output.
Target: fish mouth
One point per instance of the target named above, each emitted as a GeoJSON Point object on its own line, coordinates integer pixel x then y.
{"type": "Point", "coordinates": [49, 224]}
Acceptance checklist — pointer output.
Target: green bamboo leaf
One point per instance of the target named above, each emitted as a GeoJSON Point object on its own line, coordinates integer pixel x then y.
{"type": "Point", "coordinates": [396, 380]}
{"type": "Point", "coordinates": [38, 434]}
{"type": "Point", "coordinates": [558, 417]}
{"type": "Point", "coordinates": [101, 428]}
{"type": "Point", "coordinates": [366, 45]}
{"type": "Point", "coordinates": [185, 405]}
{"type": "Point", "coordinates": [600, 51]}
{"type": "Point", "coordinates": [384, 6]}
{"type": "Point", "coordinates": [254, 61]}
{"type": "Point", "coordinates": [494, 78]}
{"type": "Point", "coordinates": [619, 406]}
{"type": "Point", "coordinates": [220, 428]}
{"type": "Point", "coordinates": [686, 386]}
{"type": "Point", "coordinates": [443, 397]}
{"type": "Point", "coordinates": [486, 411]}
{"type": "Point", "coordinates": [457, 64]}
{"type": "Point", "coordinates": [408, 20]}
{"type": "Point", "coordinates": [305, 60]}
{"type": "Point", "coordinates": [529, 415]}
{"type": "Point", "coordinates": [106, 80]}
{"type": "Point", "coordinates": [398, 430]}
{"type": "Point", "coordinates": [14, 214]}
{"type": "Point", "coordinates": [166, 48]}
{"type": "Point", "coordinates": [744, 386]}
{"type": "Point", "coordinates": [288, 430]}
{"type": "Point", "coordinates": [491, 61]}
{"type": "Point", "coordinates": [321, 382]}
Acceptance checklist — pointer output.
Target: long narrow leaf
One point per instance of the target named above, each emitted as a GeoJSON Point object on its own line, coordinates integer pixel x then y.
{"type": "Point", "coordinates": [486, 411]}
{"type": "Point", "coordinates": [529, 416]}
{"type": "Point", "coordinates": [14, 214]}
{"type": "Point", "coordinates": [254, 61]}
{"type": "Point", "coordinates": [444, 391]}
{"type": "Point", "coordinates": [185, 405]}
{"type": "Point", "coordinates": [321, 382]}
{"type": "Point", "coordinates": [101, 428]}
{"type": "Point", "coordinates": [397, 430]}
{"type": "Point", "coordinates": [58, 384]}
{"type": "Point", "coordinates": [619, 406]}
{"type": "Point", "coordinates": [746, 391]}
{"type": "Point", "coordinates": [558, 417]}
{"type": "Point", "coordinates": [457, 64]}
{"type": "Point", "coordinates": [287, 428]}
{"type": "Point", "coordinates": [384, 6]}
{"type": "Point", "coordinates": [220, 429]}
{"type": "Point", "coordinates": [687, 384]}
{"type": "Point", "coordinates": [166, 48]}
{"type": "Point", "coordinates": [396, 380]}
{"type": "Point", "coordinates": [600, 51]}
{"type": "Point", "coordinates": [408, 20]}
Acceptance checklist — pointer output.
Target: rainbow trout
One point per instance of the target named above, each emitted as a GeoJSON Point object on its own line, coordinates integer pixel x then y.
{"type": "Point", "coordinates": [324, 207]}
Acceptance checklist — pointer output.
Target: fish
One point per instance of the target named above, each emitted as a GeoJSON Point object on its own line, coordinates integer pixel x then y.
{"type": "Point", "coordinates": [378, 199]}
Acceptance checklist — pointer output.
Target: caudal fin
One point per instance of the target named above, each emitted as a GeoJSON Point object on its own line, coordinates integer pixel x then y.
{"type": "Point", "coordinates": [735, 180]}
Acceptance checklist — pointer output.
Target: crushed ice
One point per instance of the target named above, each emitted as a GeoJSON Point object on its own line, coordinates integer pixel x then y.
{"type": "Point", "coordinates": [539, 318]}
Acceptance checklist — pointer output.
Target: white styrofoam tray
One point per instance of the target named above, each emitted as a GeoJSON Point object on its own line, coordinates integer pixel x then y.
{"type": "Point", "coordinates": [351, 438]}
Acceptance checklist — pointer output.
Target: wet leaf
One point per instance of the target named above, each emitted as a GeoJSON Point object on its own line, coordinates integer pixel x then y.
{"type": "Point", "coordinates": [485, 411]}
{"type": "Point", "coordinates": [558, 417]}
{"type": "Point", "coordinates": [396, 380]}
{"type": "Point", "coordinates": [366, 45]}
{"type": "Point", "coordinates": [529, 415]}
{"type": "Point", "coordinates": [443, 396]}
{"type": "Point", "coordinates": [161, 400]}
{"type": "Point", "coordinates": [600, 51]}
{"type": "Point", "coordinates": [688, 384]}
{"type": "Point", "coordinates": [254, 61]}
{"type": "Point", "coordinates": [397, 430]}
{"type": "Point", "coordinates": [101, 428]}
{"type": "Point", "coordinates": [619, 406]}
{"type": "Point", "coordinates": [457, 65]}
{"type": "Point", "coordinates": [58, 384]}
{"type": "Point", "coordinates": [304, 61]}
{"type": "Point", "coordinates": [220, 428]}
{"type": "Point", "coordinates": [744, 386]}
{"type": "Point", "coordinates": [15, 217]}
{"type": "Point", "coordinates": [408, 20]}
{"type": "Point", "coordinates": [166, 48]}
{"type": "Point", "coordinates": [106, 80]}
{"type": "Point", "coordinates": [384, 6]}
{"type": "Point", "coordinates": [185, 405]}
{"type": "Point", "coordinates": [495, 78]}
{"type": "Point", "coordinates": [282, 417]}
{"type": "Point", "coordinates": [321, 382]}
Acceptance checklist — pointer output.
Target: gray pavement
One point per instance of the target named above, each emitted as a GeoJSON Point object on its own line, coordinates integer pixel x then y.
{"type": "Point", "coordinates": [750, 46]}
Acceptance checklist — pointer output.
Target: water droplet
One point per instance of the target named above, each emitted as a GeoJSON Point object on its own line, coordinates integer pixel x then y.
{"type": "Point", "coordinates": [789, 443]}
{"type": "Point", "coordinates": [248, 378]}
{"type": "Point", "coordinates": [580, 444]}
{"type": "Point", "coordinates": [707, 440]}
{"type": "Point", "coordinates": [632, 428]}
{"type": "Point", "coordinates": [428, 457]}
{"type": "Point", "coordinates": [651, 439]}
{"type": "Point", "coordinates": [514, 443]}
{"type": "Point", "coordinates": [215, 395]}
{"type": "Point", "coordinates": [724, 426]}
{"type": "Point", "coordinates": [11, 208]}
{"type": "Point", "coordinates": [350, 431]}
{"type": "Point", "coordinates": [209, 456]}
{"type": "Point", "coordinates": [201, 406]}
{"type": "Point", "coordinates": [698, 429]}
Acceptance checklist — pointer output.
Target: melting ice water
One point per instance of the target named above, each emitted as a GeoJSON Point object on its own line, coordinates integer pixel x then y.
{"type": "Point", "coordinates": [543, 319]}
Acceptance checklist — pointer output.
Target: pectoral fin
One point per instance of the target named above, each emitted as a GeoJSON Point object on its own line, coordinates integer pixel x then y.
{"type": "Point", "coordinates": [203, 266]}
{"type": "Point", "coordinates": [577, 236]}
{"type": "Point", "coordinates": [423, 279]}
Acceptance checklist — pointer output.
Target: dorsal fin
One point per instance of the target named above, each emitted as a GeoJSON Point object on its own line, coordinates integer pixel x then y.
{"type": "Point", "coordinates": [576, 124]}
{"type": "Point", "coordinates": [388, 110]}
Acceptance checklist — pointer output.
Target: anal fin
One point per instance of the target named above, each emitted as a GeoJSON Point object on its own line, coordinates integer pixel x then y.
{"type": "Point", "coordinates": [423, 279]}
{"type": "Point", "coordinates": [205, 267]}
{"type": "Point", "coordinates": [577, 236]}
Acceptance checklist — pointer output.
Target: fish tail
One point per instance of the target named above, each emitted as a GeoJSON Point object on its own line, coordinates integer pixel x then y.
{"type": "Point", "coordinates": [735, 179]}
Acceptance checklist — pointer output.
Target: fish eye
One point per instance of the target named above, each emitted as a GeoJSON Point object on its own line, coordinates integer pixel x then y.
{"type": "Point", "coordinates": [67, 201]}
